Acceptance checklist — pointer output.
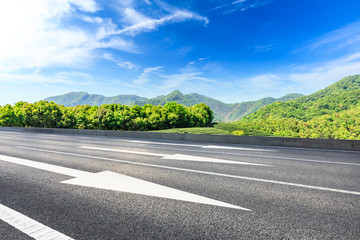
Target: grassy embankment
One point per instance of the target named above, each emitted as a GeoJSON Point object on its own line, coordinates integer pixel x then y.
{"type": "Point", "coordinates": [219, 129]}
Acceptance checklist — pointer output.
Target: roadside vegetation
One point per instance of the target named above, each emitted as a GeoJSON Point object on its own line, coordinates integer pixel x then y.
{"type": "Point", "coordinates": [333, 112]}
{"type": "Point", "coordinates": [45, 114]}
{"type": "Point", "coordinates": [220, 129]}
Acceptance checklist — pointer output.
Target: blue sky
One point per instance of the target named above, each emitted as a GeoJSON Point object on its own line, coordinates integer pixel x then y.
{"type": "Point", "coordinates": [234, 51]}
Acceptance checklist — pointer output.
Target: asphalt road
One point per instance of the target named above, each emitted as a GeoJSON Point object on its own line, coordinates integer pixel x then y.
{"type": "Point", "coordinates": [126, 189]}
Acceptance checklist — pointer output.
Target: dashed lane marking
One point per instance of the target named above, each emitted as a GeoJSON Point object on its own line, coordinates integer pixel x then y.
{"type": "Point", "coordinates": [29, 226]}
{"type": "Point", "coordinates": [200, 146]}
{"type": "Point", "coordinates": [180, 157]}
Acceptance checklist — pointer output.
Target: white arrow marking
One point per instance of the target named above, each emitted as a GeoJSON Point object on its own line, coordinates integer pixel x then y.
{"type": "Point", "coordinates": [118, 182]}
{"type": "Point", "coordinates": [181, 157]}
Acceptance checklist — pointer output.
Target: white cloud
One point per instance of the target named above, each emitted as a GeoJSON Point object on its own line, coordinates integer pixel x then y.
{"type": "Point", "coordinates": [130, 15]}
{"type": "Point", "coordinates": [241, 5]}
{"type": "Point", "coordinates": [91, 19]}
{"type": "Point", "coordinates": [238, 1]}
{"type": "Point", "coordinates": [264, 47]}
{"type": "Point", "coordinates": [108, 57]}
{"type": "Point", "coordinates": [122, 64]}
{"type": "Point", "coordinates": [198, 60]}
{"type": "Point", "coordinates": [136, 22]}
{"type": "Point", "coordinates": [347, 37]}
{"type": "Point", "coordinates": [304, 79]}
{"type": "Point", "coordinates": [127, 65]}
{"type": "Point", "coordinates": [33, 35]}
{"type": "Point", "coordinates": [148, 24]}
{"type": "Point", "coordinates": [189, 81]}
{"type": "Point", "coordinates": [327, 73]}
{"type": "Point", "coordinates": [147, 2]}
{"type": "Point", "coordinates": [85, 5]}
{"type": "Point", "coordinates": [146, 75]}
{"type": "Point", "coordinates": [37, 77]}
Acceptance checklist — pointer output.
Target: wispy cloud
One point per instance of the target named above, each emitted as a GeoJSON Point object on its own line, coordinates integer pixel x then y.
{"type": "Point", "coordinates": [138, 22]}
{"type": "Point", "coordinates": [240, 5]}
{"type": "Point", "coordinates": [187, 79]}
{"type": "Point", "coordinates": [127, 65]}
{"type": "Point", "coordinates": [304, 79]}
{"type": "Point", "coordinates": [264, 47]}
{"type": "Point", "coordinates": [38, 77]}
{"type": "Point", "coordinates": [343, 38]}
{"type": "Point", "coordinates": [122, 64]}
{"type": "Point", "coordinates": [198, 60]}
{"type": "Point", "coordinates": [147, 75]}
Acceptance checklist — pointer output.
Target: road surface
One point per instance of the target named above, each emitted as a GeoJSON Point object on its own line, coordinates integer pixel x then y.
{"type": "Point", "coordinates": [85, 187]}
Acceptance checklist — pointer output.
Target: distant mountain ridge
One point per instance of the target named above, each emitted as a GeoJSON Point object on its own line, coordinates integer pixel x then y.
{"type": "Point", "coordinates": [83, 98]}
{"type": "Point", "coordinates": [223, 112]}
{"type": "Point", "coordinates": [333, 112]}
{"type": "Point", "coordinates": [340, 96]}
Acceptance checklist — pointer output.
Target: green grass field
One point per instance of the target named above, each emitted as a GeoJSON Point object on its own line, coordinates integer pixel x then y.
{"type": "Point", "coordinates": [218, 129]}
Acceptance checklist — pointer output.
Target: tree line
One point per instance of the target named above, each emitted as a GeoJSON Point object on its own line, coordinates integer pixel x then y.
{"type": "Point", "coordinates": [44, 114]}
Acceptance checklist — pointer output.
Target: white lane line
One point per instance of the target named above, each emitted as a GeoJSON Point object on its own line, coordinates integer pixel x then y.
{"type": "Point", "coordinates": [236, 148]}
{"type": "Point", "coordinates": [116, 182]}
{"type": "Point", "coordinates": [124, 151]}
{"type": "Point", "coordinates": [263, 156]}
{"type": "Point", "coordinates": [29, 226]}
{"type": "Point", "coordinates": [200, 146]}
{"type": "Point", "coordinates": [301, 159]}
{"type": "Point", "coordinates": [163, 143]}
{"type": "Point", "coordinates": [7, 137]}
{"type": "Point", "coordinates": [181, 157]}
{"type": "Point", "coordinates": [201, 172]}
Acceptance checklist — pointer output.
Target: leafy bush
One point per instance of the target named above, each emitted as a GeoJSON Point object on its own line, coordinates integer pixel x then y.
{"type": "Point", "coordinates": [239, 132]}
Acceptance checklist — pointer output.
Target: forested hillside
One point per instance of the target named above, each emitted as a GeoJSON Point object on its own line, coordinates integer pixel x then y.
{"type": "Point", "coordinates": [222, 112]}
{"type": "Point", "coordinates": [330, 113]}
{"type": "Point", "coordinates": [82, 98]}
{"type": "Point", "coordinates": [106, 117]}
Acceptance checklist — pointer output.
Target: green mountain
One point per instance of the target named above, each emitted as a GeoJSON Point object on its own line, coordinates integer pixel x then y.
{"type": "Point", "coordinates": [333, 112]}
{"type": "Point", "coordinates": [223, 112]}
{"type": "Point", "coordinates": [83, 98]}
{"type": "Point", "coordinates": [340, 96]}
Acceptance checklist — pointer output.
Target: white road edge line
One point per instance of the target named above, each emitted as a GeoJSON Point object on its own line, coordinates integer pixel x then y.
{"type": "Point", "coordinates": [29, 226]}
{"type": "Point", "coordinates": [180, 157]}
{"type": "Point", "coordinates": [201, 172]}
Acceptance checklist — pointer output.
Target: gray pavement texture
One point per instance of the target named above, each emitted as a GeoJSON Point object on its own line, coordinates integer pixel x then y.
{"type": "Point", "coordinates": [339, 144]}
{"type": "Point", "coordinates": [278, 211]}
